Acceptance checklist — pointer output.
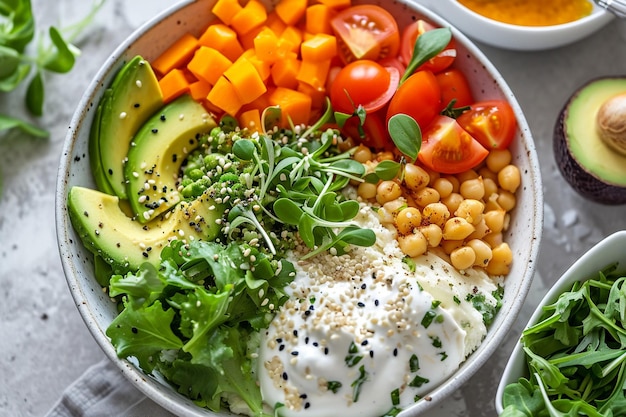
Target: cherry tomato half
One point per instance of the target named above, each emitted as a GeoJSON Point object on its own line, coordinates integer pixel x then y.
{"type": "Point", "coordinates": [448, 148]}
{"type": "Point", "coordinates": [409, 36]}
{"type": "Point", "coordinates": [454, 86]}
{"type": "Point", "coordinates": [364, 83]}
{"type": "Point", "coordinates": [492, 123]}
{"type": "Point", "coordinates": [372, 134]}
{"type": "Point", "coordinates": [419, 97]}
{"type": "Point", "coordinates": [366, 32]}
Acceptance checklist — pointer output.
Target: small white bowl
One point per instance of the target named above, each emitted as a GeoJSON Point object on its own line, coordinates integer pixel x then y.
{"type": "Point", "coordinates": [516, 37]}
{"type": "Point", "coordinates": [98, 311]}
{"type": "Point", "coordinates": [606, 252]}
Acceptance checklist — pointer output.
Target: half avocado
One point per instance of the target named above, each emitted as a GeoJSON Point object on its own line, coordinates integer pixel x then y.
{"type": "Point", "coordinates": [134, 96]}
{"type": "Point", "coordinates": [124, 243]}
{"type": "Point", "coordinates": [593, 168]}
{"type": "Point", "coordinates": [157, 153]}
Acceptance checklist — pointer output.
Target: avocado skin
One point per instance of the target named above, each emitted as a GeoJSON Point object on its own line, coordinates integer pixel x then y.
{"type": "Point", "coordinates": [577, 175]}
{"type": "Point", "coordinates": [124, 243]}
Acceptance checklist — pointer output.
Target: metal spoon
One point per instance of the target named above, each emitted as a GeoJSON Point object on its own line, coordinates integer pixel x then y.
{"type": "Point", "coordinates": [617, 7]}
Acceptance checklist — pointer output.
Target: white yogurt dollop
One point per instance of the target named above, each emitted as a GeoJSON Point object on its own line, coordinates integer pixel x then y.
{"type": "Point", "coordinates": [361, 333]}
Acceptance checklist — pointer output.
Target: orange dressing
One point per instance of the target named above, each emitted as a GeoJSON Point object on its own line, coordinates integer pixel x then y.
{"type": "Point", "coordinates": [531, 12]}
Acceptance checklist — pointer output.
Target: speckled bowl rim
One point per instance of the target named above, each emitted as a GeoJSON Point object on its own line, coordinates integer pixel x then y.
{"type": "Point", "coordinates": [73, 256]}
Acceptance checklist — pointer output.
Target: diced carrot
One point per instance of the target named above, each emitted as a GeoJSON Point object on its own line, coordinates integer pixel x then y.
{"type": "Point", "coordinates": [295, 106]}
{"type": "Point", "coordinates": [266, 45]}
{"type": "Point", "coordinates": [245, 80]}
{"type": "Point", "coordinates": [199, 90]}
{"type": "Point", "coordinates": [291, 11]}
{"type": "Point", "coordinates": [262, 67]}
{"type": "Point", "coordinates": [336, 4]}
{"type": "Point", "coordinates": [250, 17]}
{"type": "Point", "coordinates": [223, 95]}
{"type": "Point", "coordinates": [314, 73]}
{"type": "Point", "coordinates": [275, 23]}
{"type": "Point", "coordinates": [208, 64]}
{"type": "Point", "coordinates": [176, 55]}
{"type": "Point", "coordinates": [225, 10]}
{"type": "Point", "coordinates": [173, 84]}
{"type": "Point", "coordinates": [294, 36]}
{"type": "Point", "coordinates": [285, 71]}
{"type": "Point", "coordinates": [318, 17]}
{"type": "Point", "coordinates": [224, 39]}
{"type": "Point", "coordinates": [318, 95]}
{"type": "Point", "coordinates": [320, 47]}
{"type": "Point", "coordinates": [251, 119]}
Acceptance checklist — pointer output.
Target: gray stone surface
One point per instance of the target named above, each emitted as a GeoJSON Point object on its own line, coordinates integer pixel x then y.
{"type": "Point", "coordinates": [44, 345]}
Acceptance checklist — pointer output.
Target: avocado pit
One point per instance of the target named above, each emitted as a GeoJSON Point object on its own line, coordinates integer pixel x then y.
{"type": "Point", "coordinates": [611, 122]}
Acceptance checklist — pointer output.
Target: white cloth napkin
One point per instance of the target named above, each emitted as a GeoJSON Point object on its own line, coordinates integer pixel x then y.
{"type": "Point", "coordinates": [103, 391]}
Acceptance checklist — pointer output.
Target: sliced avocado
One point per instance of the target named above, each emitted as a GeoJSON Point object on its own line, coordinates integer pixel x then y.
{"type": "Point", "coordinates": [593, 168]}
{"type": "Point", "coordinates": [134, 96]}
{"type": "Point", "coordinates": [125, 243]}
{"type": "Point", "coordinates": [157, 152]}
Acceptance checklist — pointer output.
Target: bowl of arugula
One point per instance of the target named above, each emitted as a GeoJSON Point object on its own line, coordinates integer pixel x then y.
{"type": "Point", "coordinates": [571, 353]}
{"type": "Point", "coordinates": [238, 245]}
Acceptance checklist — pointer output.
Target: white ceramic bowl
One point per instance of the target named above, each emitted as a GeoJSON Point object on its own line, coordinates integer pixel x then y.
{"type": "Point", "coordinates": [523, 38]}
{"type": "Point", "coordinates": [150, 40]}
{"type": "Point", "coordinates": [606, 252]}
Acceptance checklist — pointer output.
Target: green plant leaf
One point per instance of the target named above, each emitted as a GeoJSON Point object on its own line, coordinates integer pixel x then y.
{"type": "Point", "coordinates": [387, 170]}
{"type": "Point", "coordinates": [288, 211]}
{"type": "Point", "coordinates": [7, 122]}
{"type": "Point", "coordinates": [35, 95]}
{"type": "Point", "coordinates": [406, 134]}
{"type": "Point", "coordinates": [427, 46]}
{"type": "Point", "coordinates": [63, 58]}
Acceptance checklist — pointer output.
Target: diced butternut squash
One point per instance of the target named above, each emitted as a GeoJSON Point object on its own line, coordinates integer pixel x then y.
{"type": "Point", "coordinates": [225, 10]}
{"type": "Point", "coordinates": [295, 106]}
{"type": "Point", "coordinates": [245, 80]}
{"type": "Point", "coordinates": [318, 95]}
{"type": "Point", "coordinates": [275, 23]}
{"type": "Point", "coordinates": [176, 55]}
{"type": "Point", "coordinates": [336, 4]}
{"type": "Point", "coordinates": [294, 36]}
{"type": "Point", "coordinates": [320, 47]}
{"type": "Point", "coordinates": [291, 11]}
{"type": "Point", "coordinates": [285, 71]}
{"type": "Point", "coordinates": [223, 96]}
{"type": "Point", "coordinates": [251, 119]}
{"type": "Point", "coordinates": [250, 17]}
{"type": "Point", "coordinates": [266, 45]}
{"type": "Point", "coordinates": [199, 90]}
{"type": "Point", "coordinates": [173, 84]}
{"type": "Point", "coordinates": [222, 38]}
{"type": "Point", "coordinates": [314, 73]}
{"type": "Point", "coordinates": [208, 64]}
{"type": "Point", "coordinates": [318, 17]}
{"type": "Point", "coordinates": [262, 67]}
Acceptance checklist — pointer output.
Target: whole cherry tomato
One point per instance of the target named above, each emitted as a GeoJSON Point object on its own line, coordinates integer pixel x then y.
{"type": "Point", "coordinates": [454, 86]}
{"type": "Point", "coordinates": [419, 97]}
{"type": "Point", "coordinates": [409, 36]}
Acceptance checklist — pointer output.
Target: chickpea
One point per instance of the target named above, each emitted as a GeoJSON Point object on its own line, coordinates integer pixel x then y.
{"type": "Point", "coordinates": [388, 212]}
{"type": "Point", "coordinates": [425, 196]}
{"type": "Point", "coordinates": [453, 201]}
{"type": "Point", "coordinates": [491, 187]}
{"type": "Point", "coordinates": [481, 230]}
{"type": "Point", "coordinates": [495, 220]}
{"type": "Point", "coordinates": [366, 190]}
{"type": "Point", "coordinates": [493, 239]}
{"type": "Point", "coordinates": [433, 234]}
{"type": "Point", "coordinates": [506, 200]}
{"type": "Point", "coordinates": [414, 244]}
{"type": "Point", "coordinates": [415, 177]}
{"type": "Point", "coordinates": [388, 191]}
{"type": "Point", "coordinates": [467, 175]}
{"type": "Point", "coordinates": [449, 245]}
{"type": "Point", "coordinates": [463, 257]}
{"type": "Point", "coordinates": [408, 219]}
{"type": "Point", "coordinates": [455, 182]}
{"type": "Point", "coordinates": [384, 156]}
{"type": "Point", "coordinates": [443, 186]}
{"type": "Point", "coordinates": [509, 178]}
{"type": "Point", "coordinates": [471, 210]}
{"type": "Point", "coordinates": [485, 172]}
{"type": "Point", "coordinates": [482, 251]}
{"type": "Point", "coordinates": [498, 159]}
{"type": "Point", "coordinates": [436, 213]}
{"type": "Point", "coordinates": [501, 260]}
{"type": "Point", "coordinates": [362, 154]}
{"type": "Point", "coordinates": [474, 188]}
{"type": "Point", "coordinates": [457, 228]}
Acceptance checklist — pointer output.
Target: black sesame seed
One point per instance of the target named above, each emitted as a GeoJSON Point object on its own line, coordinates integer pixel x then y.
{"type": "Point", "coordinates": [110, 171]}
{"type": "Point", "coordinates": [364, 343]}
{"type": "Point", "coordinates": [279, 340]}
{"type": "Point", "coordinates": [376, 302]}
{"type": "Point", "coordinates": [295, 333]}
{"type": "Point", "coordinates": [306, 340]}
{"type": "Point", "coordinates": [281, 348]}
{"type": "Point", "coordinates": [395, 352]}
{"type": "Point", "coordinates": [363, 286]}
{"type": "Point", "coordinates": [136, 105]}
{"type": "Point", "coordinates": [303, 396]}
{"type": "Point", "coordinates": [295, 353]}
{"type": "Point", "coordinates": [162, 117]}
{"type": "Point", "coordinates": [155, 130]}
{"type": "Point", "coordinates": [307, 405]}
{"type": "Point", "coordinates": [371, 353]}
{"type": "Point", "coordinates": [316, 344]}
{"type": "Point", "coordinates": [285, 376]}
{"type": "Point", "coordinates": [326, 351]}
{"type": "Point", "coordinates": [360, 304]}
{"type": "Point", "coordinates": [134, 330]}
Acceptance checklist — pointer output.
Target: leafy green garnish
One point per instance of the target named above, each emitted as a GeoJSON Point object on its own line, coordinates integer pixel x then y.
{"type": "Point", "coordinates": [576, 354]}
{"type": "Point", "coordinates": [427, 46]}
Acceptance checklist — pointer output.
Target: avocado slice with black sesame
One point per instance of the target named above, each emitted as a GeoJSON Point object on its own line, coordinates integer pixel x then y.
{"type": "Point", "coordinates": [157, 153]}
{"type": "Point", "coordinates": [124, 243]}
{"type": "Point", "coordinates": [594, 168]}
{"type": "Point", "coordinates": [134, 96]}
